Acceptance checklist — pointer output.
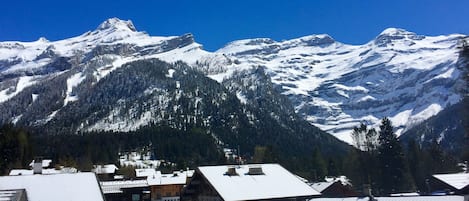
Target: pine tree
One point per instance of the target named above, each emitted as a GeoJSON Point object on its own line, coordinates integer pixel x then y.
{"type": "Point", "coordinates": [332, 169]}
{"type": "Point", "coordinates": [264, 154]}
{"type": "Point", "coordinates": [394, 175]}
{"type": "Point", "coordinates": [417, 167]}
{"type": "Point", "coordinates": [319, 167]}
{"type": "Point", "coordinates": [15, 148]}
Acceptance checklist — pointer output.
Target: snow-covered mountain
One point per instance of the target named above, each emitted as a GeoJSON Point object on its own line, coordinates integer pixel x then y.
{"type": "Point", "coordinates": [87, 58]}
{"type": "Point", "coordinates": [118, 79]}
{"type": "Point", "coordinates": [401, 75]}
{"type": "Point", "coordinates": [334, 86]}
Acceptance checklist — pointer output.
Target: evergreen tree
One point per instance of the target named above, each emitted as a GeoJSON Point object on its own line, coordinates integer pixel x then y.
{"type": "Point", "coordinates": [352, 168]}
{"type": "Point", "coordinates": [394, 175]}
{"type": "Point", "coordinates": [264, 154]}
{"type": "Point", "coordinates": [332, 169]}
{"type": "Point", "coordinates": [15, 148]}
{"type": "Point", "coordinates": [417, 167]}
{"type": "Point", "coordinates": [439, 161]}
{"type": "Point", "coordinates": [319, 168]}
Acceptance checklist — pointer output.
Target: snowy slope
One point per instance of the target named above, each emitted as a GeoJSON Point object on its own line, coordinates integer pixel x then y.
{"type": "Point", "coordinates": [90, 56]}
{"type": "Point", "coordinates": [112, 44]}
{"type": "Point", "coordinates": [335, 86]}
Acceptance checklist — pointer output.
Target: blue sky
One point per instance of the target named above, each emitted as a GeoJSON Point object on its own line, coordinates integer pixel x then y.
{"type": "Point", "coordinates": [215, 23]}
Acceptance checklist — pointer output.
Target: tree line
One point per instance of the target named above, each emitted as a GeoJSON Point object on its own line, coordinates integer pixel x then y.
{"type": "Point", "coordinates": [380, 159]}
{"type": "Point", "coordinates": [387, 165]}
{"type": "Point", "coordinates": [185, 148]}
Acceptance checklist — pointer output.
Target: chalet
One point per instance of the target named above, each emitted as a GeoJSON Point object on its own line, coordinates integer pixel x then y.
{"type": "Point", "coordinates": [149, 185]}
{"type": "Point", "coordinates": [145, 172]}
{"type": "Point", "coordinates": [246, 182]}
{"type": "Point", "coordinates": [457, 183]}
{"type": "Point", "coordinates": [39, 166]}
{"type": "Point", "coordinates": [168, 187]}
{"type": "Point", "coordinates": [105, 172]}
{"type": "Point", "coordinates": [52, 187]}
{"type": "Point", "coordinates": [139, 160]}
{"type": "Point", "coordinates": [62, 170]}
{"type": "Point", "coordinates": [335, 187]}
{"type": "Point", "coordinates": [135, 190]}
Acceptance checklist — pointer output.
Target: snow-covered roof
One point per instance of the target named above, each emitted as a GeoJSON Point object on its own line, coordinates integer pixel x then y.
{"type": "Point", "coordinates": [45, 163]}
{"type": "Point", "coordinates": [139, 160]}
{"type": "Point", "coordinates": [275, 182]}
{"type": "Point", "coordinates": [55, 187]}
{"type": "Point", "coordinates": [63, 170]}
{"type": "Point", "coordinates": [321, 186]}
{"type": "Point", "coordinates": [117, 186]}
{"type": "Point", "coordinates": [404, 194]}
{"type": "Point", "coordinates": [145, 172]}
{"type": "Point", "coordinates": [105, 169]}
{"type": "Point", "coordinates": [403, 198]}
{"type": "Point", "coordinates": [189, 173]}
{"type": "Point", "coordinates": [458, 180]}
{"type": "Point", "coordinates": [30, 172]}
{"type": "Point", "coordinates": [343, 179]}
{"type": "Point", "coordinates": [168, 179]}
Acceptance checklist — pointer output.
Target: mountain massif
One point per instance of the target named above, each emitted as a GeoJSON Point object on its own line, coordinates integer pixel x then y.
{"type": "Point", "coordinates": [291, 93]}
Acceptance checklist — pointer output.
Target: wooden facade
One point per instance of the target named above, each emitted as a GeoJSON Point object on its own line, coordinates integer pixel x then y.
{"type": "Point", "coordinates": [337, 189]}
{"type": "Point", "coordinates": [170, 192]}
{"type": "Point", "coordinates": [130, 194]}
{"type": "Point", "coordinates": [200, 189]}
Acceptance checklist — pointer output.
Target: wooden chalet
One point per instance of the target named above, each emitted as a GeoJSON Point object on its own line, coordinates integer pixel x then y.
{"type": "Point", "coordinates": [51, 187]}
{"type": "Point", "coordinates": [246, 182]}
{"type": "Point", "coordinates": [334, 188]}
{"type": "Point", "coordinates": [455, 184]}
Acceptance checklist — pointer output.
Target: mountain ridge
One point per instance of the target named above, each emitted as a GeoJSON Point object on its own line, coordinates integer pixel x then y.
{"type": "Point", "coordinates": [330, 84]}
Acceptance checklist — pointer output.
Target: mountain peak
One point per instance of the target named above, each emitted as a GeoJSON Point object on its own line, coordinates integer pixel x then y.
{"type": "Point", "coordinates": [390, 35]}
{"type": "Point", "coordinates": [395, 32]}
{"type": "Point", "coordinates": [317, 40]}
{"type": "Point", "coordinates": [43, 40]}
{"type": "Point", "coordinates": [116, 23]}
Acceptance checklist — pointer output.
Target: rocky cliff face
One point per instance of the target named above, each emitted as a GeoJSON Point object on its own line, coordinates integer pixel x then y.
{"type": "Point", "coordinates": [401, 75]}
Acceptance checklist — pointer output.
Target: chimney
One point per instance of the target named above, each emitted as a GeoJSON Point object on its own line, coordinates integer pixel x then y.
{"type": "Point", "coordinates": [37, 165]}
{"type": "Point", "coordinates": [255, 170]}
{"type": "Point", "coordinates": [231, 171]}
